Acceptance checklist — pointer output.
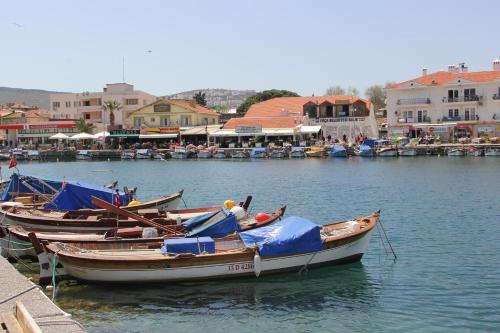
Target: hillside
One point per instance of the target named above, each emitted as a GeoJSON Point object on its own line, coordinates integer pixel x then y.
{"type": "Point", "coordinates": [36, 97]}
{"type": "Point", "coordinates": [226, 97]}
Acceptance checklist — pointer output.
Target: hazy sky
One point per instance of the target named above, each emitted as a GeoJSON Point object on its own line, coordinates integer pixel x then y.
{"type": "Point", "coordinates": [304, 46]}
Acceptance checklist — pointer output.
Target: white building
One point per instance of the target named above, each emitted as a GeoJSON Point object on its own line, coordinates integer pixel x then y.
{"type": "Point", "coordinates": [88, 105]}
{"type": "Point", "coordinates": [453, 103]}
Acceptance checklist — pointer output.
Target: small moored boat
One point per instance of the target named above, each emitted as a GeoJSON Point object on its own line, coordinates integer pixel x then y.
{"type": "Point", "coordinates": [456, 152]}
{"type": "Point", "coordinates": [407, 151]}
{"type": "Point", "coordinates": [338, 151]}
{"type": "Point", "coordinates": [205, 153]}
{"type": "Point", "coordinates": [315, 151]}
{"type": "Point", "coordinates": [492, 152]}
{"type": "Point", "coordinates": [258, 153]}
{"type": "Point", "coordinates": [219, 154]}
{"type": "Point", "coordinates": [365, 151]}
{"type": "Point", "coordinates": [240, 154]}
{"type": "Point", "coordinates": [143, 154]}
{"type": "Point", "coordinates": [277, 153]}
{"type": "Point", "coordinates": [297, 152]}
{"type": "Point", "coordinates": [387, 152]}
{"type": "Point", "coordinates": [128, 155]}
{"type": "Point", "coordinates": [83, 155]}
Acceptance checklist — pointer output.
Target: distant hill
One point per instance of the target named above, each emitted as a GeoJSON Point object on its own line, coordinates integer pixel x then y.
{"type": "Point", "coordinates": [36, 97]}
{"type": "Point", "coordinates": [225, 97]}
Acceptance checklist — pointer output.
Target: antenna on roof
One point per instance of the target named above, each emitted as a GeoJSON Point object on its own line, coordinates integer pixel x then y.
{"type": "Point", "coordinates": [123, 69]}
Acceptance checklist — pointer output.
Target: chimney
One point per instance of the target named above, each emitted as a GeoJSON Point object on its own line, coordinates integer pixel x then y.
{"type": "Point", "coordinates": [452, 69]}
{"type": "Point", "coordinates": [424, 71]}
{"type": "Point", "coordinates": [496, 65]}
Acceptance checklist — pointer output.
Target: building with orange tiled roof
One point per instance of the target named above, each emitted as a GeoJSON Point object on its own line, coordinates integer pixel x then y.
{"type": "Point", "coordinates": [292, 119]}
{"type": "Point", "coordinates": [452, 103]}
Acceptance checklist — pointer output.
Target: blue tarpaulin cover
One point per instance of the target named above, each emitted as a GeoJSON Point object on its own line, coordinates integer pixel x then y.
{"type": "Point", "coordinates": [297, 148]}
{"type": "Point", "coordinates": [77, 195]}
{"type": "Point", "coordinates": [365, 148]}
{"type": "Point", "coordinates": [216, 228]}
{"type": "Point", "coordinates": [188, 245]}
{"type": "Point", "coordinates": [197, 220]}
{"type": "Point", "coordinates": [293, 235]}
{"type": "Point", "coordinates": [337, 149]}
{"type": "Point", "coordinates": [370, 142]}
{"type": "Point", "coordinates": [256, 151]}
{"type": "Point", "coordinates": [18, 184]}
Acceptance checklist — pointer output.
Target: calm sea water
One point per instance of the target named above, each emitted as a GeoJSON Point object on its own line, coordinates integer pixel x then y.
{"type": "Point", "coordinates": [441, 215]}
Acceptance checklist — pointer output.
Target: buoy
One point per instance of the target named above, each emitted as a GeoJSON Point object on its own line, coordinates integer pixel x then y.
{"type": "Point", "coordinates": [229, 204]}
{"type": "Point", "coordinates": [109, 160]}
{"type": "Point", "coordinates": [133, 203]}
{"type": "Point", "coordinates": [261, 217]}
{"type": "Point", "coordinates": [257, 264]}
{"type": "Point", "coordinates": [239, 212]}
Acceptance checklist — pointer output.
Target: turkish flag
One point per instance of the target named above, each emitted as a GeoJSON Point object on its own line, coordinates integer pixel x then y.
{"type": "Point", "coordinates": [12, 163]}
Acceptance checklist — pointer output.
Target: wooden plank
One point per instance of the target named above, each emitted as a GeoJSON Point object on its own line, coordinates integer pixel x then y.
{"type": "Point", "coordinates": [10, 322]}
{"type": "Point", "coordinates": [26, 322]}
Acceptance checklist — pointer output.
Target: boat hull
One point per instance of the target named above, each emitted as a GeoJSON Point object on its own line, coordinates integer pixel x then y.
{"type": "Point", "coordinates": [407, 152]}
{"type": "Point", "coordinates": [239, 265]}
{"type": "Point", "coordinates": [388, 153]}
{"type": "Point", "coordinates": [492, 153]}
{"type": "Point", "coordinates": [456, 152]}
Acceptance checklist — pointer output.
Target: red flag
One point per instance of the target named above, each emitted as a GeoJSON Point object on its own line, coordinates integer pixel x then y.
{"type": "Point", "coordinates": [12, 163]}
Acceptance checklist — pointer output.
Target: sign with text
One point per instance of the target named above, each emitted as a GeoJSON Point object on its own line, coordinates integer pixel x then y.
{"type": "Point", "coordinates": [160, 130]}
{"type": "Point", "coordinates": [162, 108]}
{"type": "Point", "coordinates": [248, 129]}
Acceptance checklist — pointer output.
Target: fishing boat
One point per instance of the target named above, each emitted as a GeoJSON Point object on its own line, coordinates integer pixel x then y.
{"type": "Point", "coordinates": [33, 155]}
{"type": "Point", "coordinates": [492, 152]}
{"type": "Point", "coordinates": [297, 245]}
{"type": "Point", "coordinates": [18, 154]}
{"type": "Point", "coordinates": [240, 154]}
{"type": "Point", "coordinates": [315, 151]}
{"type": "Point", "coordinates": [179, 153]}
{"type": "Point", "coordinates": [277, 153]}
{"type": "Point", "coordinates": [258, 153]}
{"type": "Point", "coordinates": [407, 151]}
{"type": "Point", "coordinates": [338, 151]}
{"type": "Point", "coordinates": [205, 153]}
{"type": "Point", "coordinates": [297, 152]}
{"type": "Point", "coordinates": [143, 154]}
{"type": "Point", "coordinates": [83, 155]}
{"type": "Point", "coordinates": [455, 152]}
{"type": "Point", "coordinates": [159, 156]}
{"type": "Point", "coordinates": [474, 152]}
{"type": "Point", "coordinates": [365, 151]}
{"type": "Point", "coordinates": [219, 154]}
{"type": "Point", "coordinates": [387, 151]}
{"type": "Point", "coordinates": [128, 155]}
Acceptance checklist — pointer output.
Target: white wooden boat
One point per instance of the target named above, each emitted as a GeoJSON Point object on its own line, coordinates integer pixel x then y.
{"type": "Point", "coordinates": [387, 152]}
{"type": "Point", "coordinates": [407, 152]}
{"type": "Point", "coordinates": [219, 154]}
{"type": "Point", "coordinates": [205, 153]}
{"type": "Point", "coordinates": [128, 155]}
{"type": "Point", "coordinates": [240, 154]}
{"type": "Point", "coordinates": [143, 154]}
{"type": "Point", "coordinates": [456, 152]}
{"type": "Point", "coordinates": [83, 155]}
{"type": "Point", "coordinates": [474, 152]}
{"type": "Point", "coordinates": [250, 253]}
{"type": "Point", "coordinates": [297, 152]}
{"type": "Point", "coordinates": [33, 155]}
{"type": "Point", "coordinates": [277, 154]}
{"type": "Point", "coordinates": [180, 153]}
{"type": "Point", "coordinates": [492, 152]}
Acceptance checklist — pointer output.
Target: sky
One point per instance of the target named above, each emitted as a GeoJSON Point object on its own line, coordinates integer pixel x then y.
{"type": "Point", "coordinates": [302, 46]}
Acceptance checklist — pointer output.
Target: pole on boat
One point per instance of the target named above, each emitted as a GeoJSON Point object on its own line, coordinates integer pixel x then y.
{"type": "Point", "coordinates": [387, 238]}
{"type": "Point", "coordinates": [109, 207]}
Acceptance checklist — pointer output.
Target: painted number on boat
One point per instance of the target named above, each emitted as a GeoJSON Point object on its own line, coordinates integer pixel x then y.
{"type": "Point", "coordinates": [239, 267]}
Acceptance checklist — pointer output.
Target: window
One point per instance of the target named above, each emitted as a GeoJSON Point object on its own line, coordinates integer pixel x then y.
{"type": "Point", "coordinates": [152, 120]}
{"type": "Point", "coordinates": [450, 113]}
{"type": "Point", "coordinates": [55, 105]}
{"type": "Point", "coordinates": [185, 120]}
{"type": "Point", "coordinates": [469, 94]}
{"type": "Point", "coordinates": [75, 104]}
{"type": "Point", "coordinates": [452, 95]}
{"type": "Point", "coordinates": [68, 104]}
{"type": "Point", "coordinates": [310, 111]}
{"type": "Point", "coordinates": [131, 101]}
{"type": "Point", "coordinates": [86, 103]}
{"type": "Point", "coordinates": [87, 116]}
{"type": "Point", "coordinates": [138, 121]}
{"type": "Point", "coordinates": [329, 111]}
{"type": "Point", "coordinates": [213, 120]}
{"type": "Point", "coordinates": [421, 116]}
{"type": "Point", "coordinates": [456, 114]}
{"type": "Point", "coordinates": [165, 121]}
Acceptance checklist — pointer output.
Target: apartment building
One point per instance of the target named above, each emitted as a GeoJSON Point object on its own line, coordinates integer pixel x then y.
{"type": "Point", "coordinates": [452, 103]}
{"type": "Point", "coordinates": [89, 105]}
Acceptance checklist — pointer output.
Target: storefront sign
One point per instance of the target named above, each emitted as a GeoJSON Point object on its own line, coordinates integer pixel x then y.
{"type": "Point", "coordinates": [487, 129]}
{"type": "Point", "coordinates": [248, 129]}
{"type": "Point", "coordinates": [438, 129]}
{"type": "Point", "coordinates": [49, 125]}
{"type": "Point", "coordinates": [160, 130]}
{"type": "Point", "coordinates": [161, 108]}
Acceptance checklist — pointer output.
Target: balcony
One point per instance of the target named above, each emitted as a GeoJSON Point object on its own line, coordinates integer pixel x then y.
{"type": "Point", "coordinates": [413, 101]}
{"type": "Point", "coordinates": [496, 97]}
{"type": "Point", "coordinates": [461, 99]}
{"type": "Point", "coordinates": [448, 119]}
{"type": "Point", "coordinates": [407, 120]}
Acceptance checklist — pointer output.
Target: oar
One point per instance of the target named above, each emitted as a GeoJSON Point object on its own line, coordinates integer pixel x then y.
{"type": "Point", "coordinates": [109, 207]}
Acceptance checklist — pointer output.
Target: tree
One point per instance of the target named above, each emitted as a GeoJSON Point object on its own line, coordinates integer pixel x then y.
{"type": "Point", "coordinates": [335, 90]}
{"type": "Point", "coordinates": [111, 107]}
{"type": "Point", "coordinates": [220, 108]}
{"type": "Point", "coordinates": [200, 99]}
{"type": "Point", "coordinates": [352, 91]}
{"type": "Point", "coordinates": [83, 126]}
{"type": "Point", "coordinates": [376, 94]}
{"type": "Point", "coordinates": [264, 96]}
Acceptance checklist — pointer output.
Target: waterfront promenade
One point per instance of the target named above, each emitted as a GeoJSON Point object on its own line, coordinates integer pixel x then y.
{"type": "Point", "coordinates": [16, 287]}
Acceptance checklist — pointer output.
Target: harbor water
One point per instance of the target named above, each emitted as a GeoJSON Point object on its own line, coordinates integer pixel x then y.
{"type": "Point", "coordinates": [440, 214]}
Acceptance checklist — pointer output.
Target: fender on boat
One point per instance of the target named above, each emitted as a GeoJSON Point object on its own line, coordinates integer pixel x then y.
{"type": "Point", "coordinates": [257, 264]}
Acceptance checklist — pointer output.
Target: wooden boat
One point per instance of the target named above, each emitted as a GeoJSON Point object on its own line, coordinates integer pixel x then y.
{"type": "Point", "coordinates": [492, 152]}
{"type": "Point", "coordinates": [179, 153]}
{"type": "Point", "coordinates": [387, 152]}
{"type": "Point", "coordinates": [83, 155]}
{"type": "Point", "coordinates": [338, 151]}
{"type": "Point", "coordinates": [128, 155]}
{"type": "Point", "coordinates": [33, 155]}
{"type": "Point", "coordinates": [365, 151]}
{"type": "Point", "coordinates": [249, 253]}
{"type": "Point", "coordinates": [316, 151]}
{"type": "Point", "coordinates": [204, 153]}
{"type": "Point", "coordinates": [297, 152]}
{"type": "Point", "coordinates": [474, 152]}
{"type": "Point", "coordinates": [278, 153]}
{"type": "Point", "coordinates": [219, 154]}
{"type": "Point", "coordinates": [455, 152]}
{"type": "Point", "coordinates": [159, 156]}
{"type": "Point", "coordinates": [406, 151]}
{"type": "Point", "coordinates": [143, 154]}
{"type": "Point", "coordinates": [19, 154]}
{"type": "Point", "coordinates": [240, 154]}
{"type": "Point", "coordinates": [258, 152]}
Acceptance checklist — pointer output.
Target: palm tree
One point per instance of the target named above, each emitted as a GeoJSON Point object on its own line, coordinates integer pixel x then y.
{"type": "Point", "coordinates": [83, 126]}
{"type": "Point", "coordinates": [111, 106]}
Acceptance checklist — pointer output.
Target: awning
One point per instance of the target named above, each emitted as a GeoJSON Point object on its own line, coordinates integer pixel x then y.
{"type": "Point", "coordinates": [136, 136]}
{"type": "Point", "coordinates": [201, 130]}
{"type": "Point", "coordinates": [277, 131]}
{"type": "Point", "coordinates": [158, 136]}
{"type": "Point", "coordinates": [224, 132]}
{"type": "Point", "coordinates": [310, 129]}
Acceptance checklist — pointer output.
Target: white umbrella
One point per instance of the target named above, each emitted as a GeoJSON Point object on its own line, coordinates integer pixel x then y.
{"type": "Point", "coordinates": [59, 136]}
{"type": "Point", "coordinates": [101, 135]}
{"type": "Point", "coordinates": [82, 136]}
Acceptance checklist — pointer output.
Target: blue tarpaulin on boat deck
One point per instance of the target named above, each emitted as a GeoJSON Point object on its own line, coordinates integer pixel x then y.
{"type": "Point", "coordinates": [365, 148]}
{"type": "Point", "coordinates": [293, 235]}
{"type": "Point", "coordinates": [22, 183]}
{"type": "Point", "coordinates": [188, 245]}
{"type": "Point", "coordinates": [338, 149]}
{"type": "Point", "coordinates": [197, 220]}
{"type": "Point", "coordinates": [256, 151]}
{"type": "Point", "coordinates": [77, 195]}
{"type": "Point", "coordinates": [226, 225]}
{"type": "Point", "coordinates": [297, 148]}
{"type": "Point", "coordinates": [369, 142]}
